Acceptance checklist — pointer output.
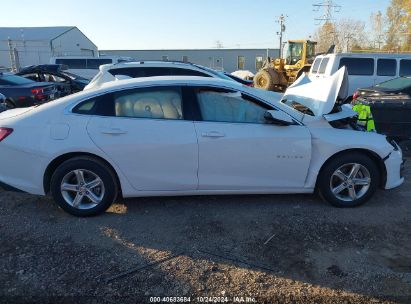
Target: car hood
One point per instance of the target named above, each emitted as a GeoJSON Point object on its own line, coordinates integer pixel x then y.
{"type": "Point", "coordinates": [319, 95]}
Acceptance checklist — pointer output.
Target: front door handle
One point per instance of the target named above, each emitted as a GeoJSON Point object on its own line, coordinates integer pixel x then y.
{"type": "Point", "coordinates": [214, 134]}
{"type": "Point", "coordinates": [113, 131]}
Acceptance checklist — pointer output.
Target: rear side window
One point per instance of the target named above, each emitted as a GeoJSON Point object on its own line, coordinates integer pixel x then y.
{"type": "Point", "coordinates": [316, 65]}
{"type": "Point", "coordinates": [100, 105]}
{"type": "Point", "coordinates": [323, 65]}
{"type": "Point", "coordinates": [405, 67]}
{"type": "Point", "coordinates": [386, 67]}
{"type": "Point", "coordinates": [156, 103]}
{"type": "Point", "coordinates": [358, 66]}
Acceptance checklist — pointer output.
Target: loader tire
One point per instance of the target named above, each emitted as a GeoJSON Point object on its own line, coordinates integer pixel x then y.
{"type": "Point", "coordinates": [266, 80]}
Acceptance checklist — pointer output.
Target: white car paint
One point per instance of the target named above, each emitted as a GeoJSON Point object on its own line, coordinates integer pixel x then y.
{"type": "Point", "coordinates": [359, 80]}
{"type": "Point", "coordinates": [154, 157]}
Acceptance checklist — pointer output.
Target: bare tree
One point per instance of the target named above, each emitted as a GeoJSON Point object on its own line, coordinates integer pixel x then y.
{"type": "Point", "coordinates": [351, 35]}
{"type": "Point", "coordinates": [346, 34]}
{"type": "Point", "coordinates": [326, 35]}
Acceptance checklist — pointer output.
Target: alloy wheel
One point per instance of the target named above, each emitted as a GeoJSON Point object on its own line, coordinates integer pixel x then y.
{"type": "Point", "coordinates": [82, 189]}
{"type": "Point", "coordinates": [350, 182]}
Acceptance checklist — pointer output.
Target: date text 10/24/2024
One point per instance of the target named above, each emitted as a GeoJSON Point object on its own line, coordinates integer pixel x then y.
{"type": "Point", "coordinates": [222, 299]}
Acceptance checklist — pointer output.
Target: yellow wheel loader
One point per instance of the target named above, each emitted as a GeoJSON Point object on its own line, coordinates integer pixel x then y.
{"type": "Point", "coordinates": [279, 73]}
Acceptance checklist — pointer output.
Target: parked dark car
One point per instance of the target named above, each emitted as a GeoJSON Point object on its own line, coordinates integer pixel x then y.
{"type": "Point", "coordinates": [65, 82]}
{"type": "Point", "coordinates": [390, 106]}
{"type": "Point", "coordinates": [22, 92]}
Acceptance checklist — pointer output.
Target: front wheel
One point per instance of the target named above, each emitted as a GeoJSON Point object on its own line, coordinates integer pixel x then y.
{"type": "Point", "coordinates": [349, 180]}
{"type": "Point", "coordinates": [84, 186]}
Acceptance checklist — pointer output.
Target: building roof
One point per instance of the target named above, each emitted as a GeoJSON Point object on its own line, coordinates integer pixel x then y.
{"type": "Point", "coordinates": [33, 33]}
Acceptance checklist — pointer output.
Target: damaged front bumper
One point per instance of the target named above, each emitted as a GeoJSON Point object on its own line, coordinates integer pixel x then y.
{"type": "Point", "coordinates": [394, 165]}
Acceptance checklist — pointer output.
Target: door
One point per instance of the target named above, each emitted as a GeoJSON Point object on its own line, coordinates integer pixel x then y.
{"type": "Point", "coordinates": [240, 150]}
{"type": "Point", "coordinates": [144, 132]}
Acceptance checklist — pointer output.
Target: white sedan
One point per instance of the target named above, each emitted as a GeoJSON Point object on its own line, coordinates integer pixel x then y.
{"type": "Point", "coordinates": [172, 136]}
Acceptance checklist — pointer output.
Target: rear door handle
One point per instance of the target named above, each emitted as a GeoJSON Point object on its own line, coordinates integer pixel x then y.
{"type": "Point", "coordinates": [113, 131]}
{"type": "Point", "coordinates": [214, 134]}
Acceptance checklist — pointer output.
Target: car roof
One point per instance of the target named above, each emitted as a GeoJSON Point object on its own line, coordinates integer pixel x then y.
{"type": "Point", "coordinates": [167, 80]}
{"type": "Point", "coordinates": [367, 55]}
{"type": "Point", "coordinates": [151, 63]}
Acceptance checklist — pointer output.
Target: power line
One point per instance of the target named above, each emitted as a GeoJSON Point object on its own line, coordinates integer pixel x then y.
{"type": "Point", "coordinates": [329, 7]}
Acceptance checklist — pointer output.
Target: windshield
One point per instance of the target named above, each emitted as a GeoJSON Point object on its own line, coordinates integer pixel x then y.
{"type": "Point", "coordinates": [294, 52]}
{"type": "Point", "coordinates": [14, 79]}
{"type": "Point", "coordinates": [395, 84]}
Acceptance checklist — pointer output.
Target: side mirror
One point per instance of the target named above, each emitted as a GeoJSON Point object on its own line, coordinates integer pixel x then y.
{"type": "Point", "coordinates": [2, 98]}
{"type": "Point", "coordinates": [279, 118]}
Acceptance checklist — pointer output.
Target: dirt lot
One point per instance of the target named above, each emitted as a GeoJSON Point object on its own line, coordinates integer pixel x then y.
{"type": "Point", "coordinates": [277, 248]}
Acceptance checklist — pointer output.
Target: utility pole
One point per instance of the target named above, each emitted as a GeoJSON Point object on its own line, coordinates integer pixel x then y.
{"type": "Point", "coordinates": [281, 21]}
{"type": "Point", "coordinates": [348, 37]}
{"type": "Point", "coordinates": [329, 7]}
{"type": "Point", "coordinates": [11, 54]}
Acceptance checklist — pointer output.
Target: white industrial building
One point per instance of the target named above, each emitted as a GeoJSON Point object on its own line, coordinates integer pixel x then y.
{"type": "Point", "coordinates": [22, 46]}
{"type": "Point", "coordinates": [228, 60]}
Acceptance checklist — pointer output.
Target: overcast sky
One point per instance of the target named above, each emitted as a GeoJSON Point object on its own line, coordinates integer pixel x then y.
{"type": "Point", "coordinates": [165, 24]}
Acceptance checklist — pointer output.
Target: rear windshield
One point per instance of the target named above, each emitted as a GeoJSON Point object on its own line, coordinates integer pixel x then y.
{"type": "Point", "coordinates": [14, 80]}
{"type": "Point", "coordinates": [316, 65]}
{"type": "Point", "coordinates": [323, 65]}
{"type": "Point", "coordinates": [396, 84]}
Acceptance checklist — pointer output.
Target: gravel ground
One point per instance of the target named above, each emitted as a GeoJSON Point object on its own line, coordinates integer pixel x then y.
{"type": "Point", "coordinates": [273, 248]}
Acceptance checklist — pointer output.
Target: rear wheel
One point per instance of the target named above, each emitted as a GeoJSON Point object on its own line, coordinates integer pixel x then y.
{"type": "Point", "coordinates": [349, 180]}
{"type": "Point", "coordinates": [84, 186]}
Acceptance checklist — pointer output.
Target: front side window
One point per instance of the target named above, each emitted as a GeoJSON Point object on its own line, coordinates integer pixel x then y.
{"type": "Point", "coordinates": [386, 67]}
{"type": "Point", "coordinates": [240, 62]}
{"type": "Point", "coordinates": [156, 103]}
{"type": "Point", "coordinates": [229, 106]}
{"type": "Point", "coordinates": [405, 67]}
{"type": "Point", "coordinates": [358, 66]}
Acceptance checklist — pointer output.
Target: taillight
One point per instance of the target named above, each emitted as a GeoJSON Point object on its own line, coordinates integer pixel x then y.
{"type": "Point", "coordinates": [37, 91]}
{"type": "Point", "coordinates": [4, 132]}
{"type": "Point", "coordinates": [355, 95]}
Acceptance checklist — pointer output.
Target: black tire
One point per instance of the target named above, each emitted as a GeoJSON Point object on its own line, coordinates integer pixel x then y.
{"type": "Point", "coordinates": [95, 166]}
{"type": "Point", "coordinates": [325, 179]}
{"type": "Point", "coordinates": [265, 80]}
